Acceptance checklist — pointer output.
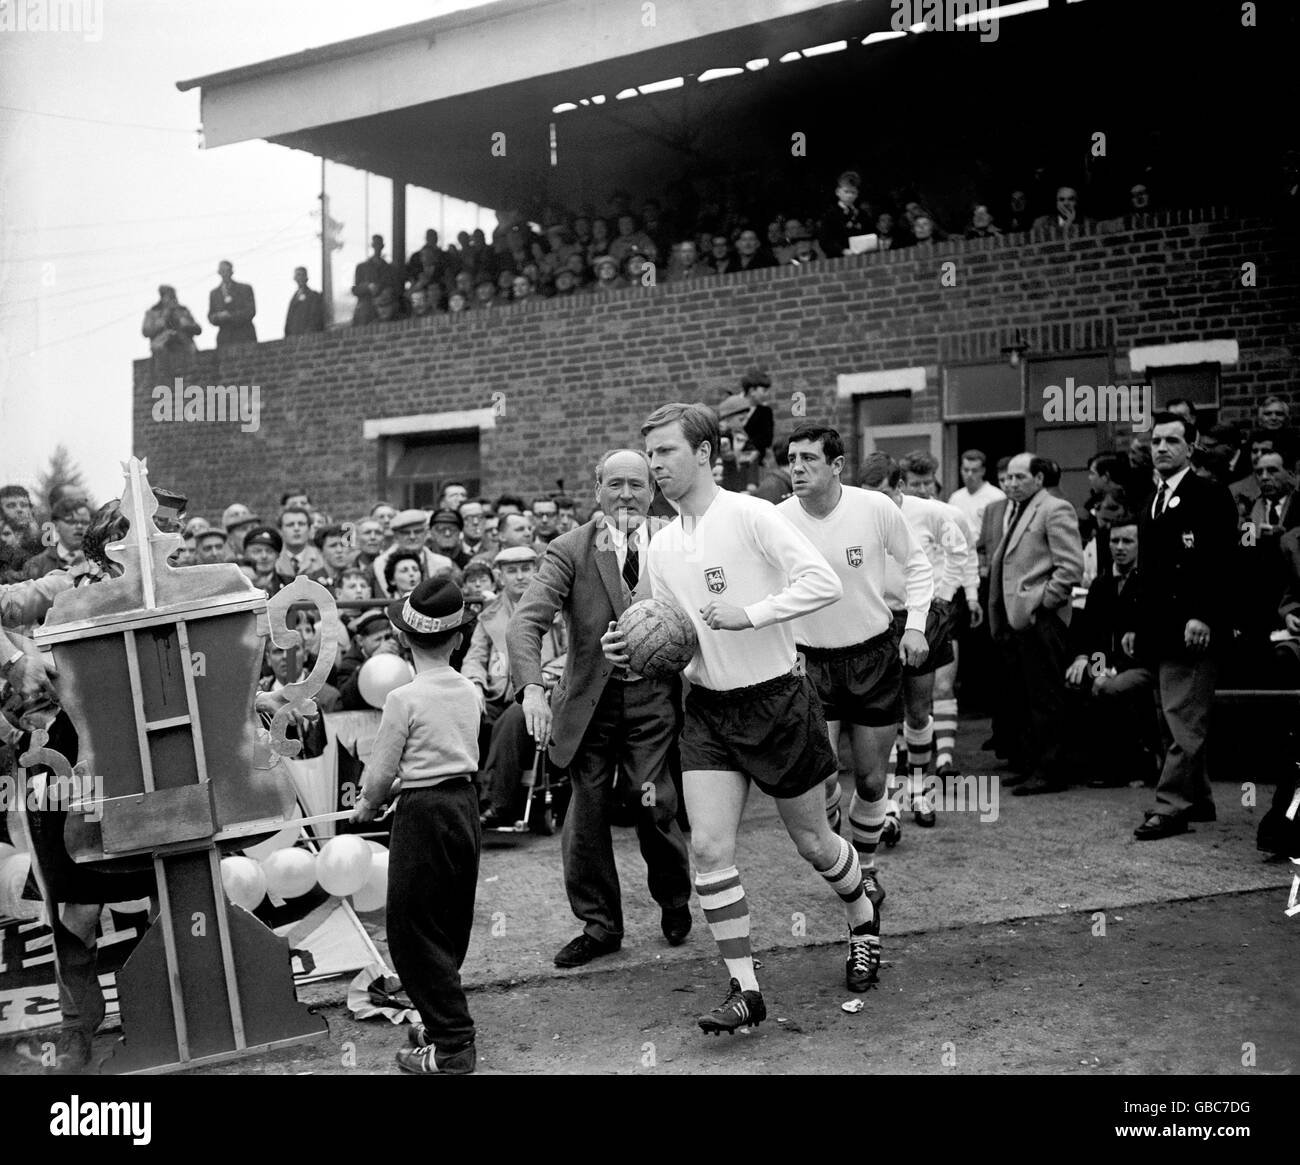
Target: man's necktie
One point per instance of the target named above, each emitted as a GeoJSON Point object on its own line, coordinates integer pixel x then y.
{"type": "Point", "coordinates": [1013, 516]}
{"type": "Point", "coordinates": [1275, 513]}
{"type": "Point", "coordinates": [1161, 498]}
{"type": "Point", "coordinates": [631, 566]}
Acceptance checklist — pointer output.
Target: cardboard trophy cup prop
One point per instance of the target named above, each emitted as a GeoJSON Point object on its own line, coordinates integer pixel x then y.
{"type": "Point", "coordinates": [158, 670]}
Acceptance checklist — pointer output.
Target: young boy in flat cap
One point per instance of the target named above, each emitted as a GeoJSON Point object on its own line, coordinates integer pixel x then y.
{"type": "Point", "coordinates": [428, 738]}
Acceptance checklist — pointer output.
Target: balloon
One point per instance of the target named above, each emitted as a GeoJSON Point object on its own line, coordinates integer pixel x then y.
{"type": "Point", "coordinates": [6, 852]}
{"type": "Point", "coordinates": [374, 893]}
{"type": "Point", "coordinates": [376, 847]}
{"type": "Point", "coordinates": [290, 873]}
{"type": "Point", "coordinates": [243, 881]}
{"type": "Point", "coordinates": [380, 674]}
{"type": "Point", "coordinates": [343, 865]}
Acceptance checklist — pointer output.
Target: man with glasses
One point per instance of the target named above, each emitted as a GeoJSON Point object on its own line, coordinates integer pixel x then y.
{"type": "Point", "coordinates": [71, 519]}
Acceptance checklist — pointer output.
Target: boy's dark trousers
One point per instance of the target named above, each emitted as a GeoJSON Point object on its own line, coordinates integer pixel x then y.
{"type": "Point", "coordinates": [432, 880]}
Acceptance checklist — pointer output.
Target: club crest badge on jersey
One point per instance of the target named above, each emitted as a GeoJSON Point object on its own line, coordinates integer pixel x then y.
{"type": "Point", "coordinates": [716, 579]}
{"type": "Point", "coordinates": [854, 555]}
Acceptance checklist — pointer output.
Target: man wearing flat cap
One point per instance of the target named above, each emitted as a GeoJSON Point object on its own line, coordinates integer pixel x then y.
{"type": "Point", "coordinates": [237, 520]}
{"type": "Point", "coordinates": [409, 527]}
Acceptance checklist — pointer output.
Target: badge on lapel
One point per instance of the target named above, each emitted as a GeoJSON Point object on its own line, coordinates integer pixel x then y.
{"type": "Point", "coordinates": [1189, 539]}
{"type": "Point", "coordinates": [854, 555]}
{"type": "Point", "coordinates": [1173, 502]}
{"type": "Point", "coordinates": [715, 579]}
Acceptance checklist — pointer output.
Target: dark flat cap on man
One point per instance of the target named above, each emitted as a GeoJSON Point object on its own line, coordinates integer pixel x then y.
{"type": "Point", "coordinates": [264, 536]}
{"type": "Point", "coordinates": [447, 518]}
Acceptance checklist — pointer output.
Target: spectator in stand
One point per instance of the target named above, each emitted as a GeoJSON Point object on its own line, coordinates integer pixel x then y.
{"type": "Point", "coordinates": [1247, 491]}
{"type": "Point", "coordinates": [981, 225]}
{"type": "Point", "coordinates": [306, 312]}
{"type": "Point", "coordinates": [262, 548]}
{"type": "Point", "coordinates": [1275, 420]}
{"type": "Point", "coordinates": [1066, 214]}
{"type": "Point", "coordinates": [170, 329]}
{"type": "Point", "coordinates": [373, 277]}
{"type": "Point", "coordinates": [388, 305]}
{"type": "Point", "coordinates": [600, 240]}
{"type": "Point", "coordinates": [803, 248]}
{"type": "Point", "coordinates": [751, 255]}
{"type": "Point", "coordinates": [485, 294]}
{"type": "Point", "coordinates": [607, 276]}
{"type": "Point", "coordinates": [474, 539]}
{"type": "Point", "coordinates": [1139, 198]}
{"type": "Point", "coordinates": [1120, 724]}
{"type": "Point", "coordinates": [685, 263]}
{"type": "Point", "coordinates": [298, 498]}
{"type": "Point", "coordinates": [975, 496]}
{"type": "Point", "coordinates": [631, 239]}
{"type": "Point", "coordinates": [516, 530]}
{"type": "Point", "coordinates": [354, 583]}
{"type": "Point", "coordinates": [299, 556]}
{"type": "Point", "coordinates": [566, 283]}
{"type": "Point", "coordinates": [336, 554]}
{"type": "Point", "coordinates": [237, 520]}
{"type": "Point", "coordinates": [444, 536]}
{"type": "Point", "coordinates": [452, 496]}
{"type": "Point", "coordinates": [16, 508]}
{"type": "Point", "coordinates": [231, 308]}
{"type": "Point", "coordinates": [211, 546]}
{"type": "Point", "coordinates": [428, 265]}
{"type": "Point", "coordinates": [775, 485]}
{"type": "Point", "coordinates": [1262, 569]}
{"type": "Point", "coordinates": [384, 514]}
{"type": "Point", "coordinates": [371, 542]}
{"type": "Point", "coordinates": [372, 634]}
{"type": "Point", "coordinates": [1104, 470]}
{"type": "Point", "coordinates": [926, 230]}
{"type": "Point", "coordinates": [71, 518]}
{"type": "Point", "coordinates": [478, 584]}
{"type": "Point", "coordinates": [422, 303]}
{"type": "Point", "coordinates": [403, 572]}
{"type": "Point", "coordinates": [1273, 513]}
{"type": "Point", "coordinates": [846, 218]}
{"type": "Point", "coordinates": [1184, 621]}
{"type": "Point", "coordinates": [1111, 505]}
{"type": "Point", "coordinates": [721, 259]}
{"type": "Point", "coordinates": [582, 234]}
{"type": "Point", "coordinates": [1019, 216]}
{"type": "Point", "coordinates": [654, 227]}
{"type": "Point", "coordinates": [410, 529]}
{"type": "Point", "coordinates": [759, 425]}
{"type": "Point", "coordinates": [508, 504]}
{"type": "Point", "coordinates": [521, 289]}
{"type": "Point", "coordinates": [546, 521]}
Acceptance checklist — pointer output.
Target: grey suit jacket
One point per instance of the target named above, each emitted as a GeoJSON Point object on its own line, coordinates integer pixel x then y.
{"type": "Point", "coordinates": [1041, 562]}
{"type": "Point", "coordinates": [578, 575]}
{"type": "Point", "coordinates": [990, 534]}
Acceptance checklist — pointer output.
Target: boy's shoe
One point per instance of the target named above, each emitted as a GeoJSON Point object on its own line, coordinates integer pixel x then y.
{"type": "Point", "coordinates": [923, 811]}
{"type": "Point", "coordinates": [862, 967]}
{"type": "Point", "coordinates": [428, 1061]}
{"type": "Point", "coordinates": [417, 1035]}
{"type": "Point", "coordinates": [891, 833]}
{"type": "Point", "coordinates": [740, 1009]}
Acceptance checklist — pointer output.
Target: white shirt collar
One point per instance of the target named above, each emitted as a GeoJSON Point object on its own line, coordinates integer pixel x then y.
{"type": "Point", "coordinates": [1173, 482]}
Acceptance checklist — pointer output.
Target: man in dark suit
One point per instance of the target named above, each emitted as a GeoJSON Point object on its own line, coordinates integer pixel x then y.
{"type": "Point", "coordinates": [1188, 532]}
{"type": "Point", "coordinates": [1032, 575]}
{"type": "Point", "coordinates": [306, 309]}
{"type": "Point", "coordinates": [603, 718]}
{"type": "Point", "coordinates": [373, 277]}
{"type": "Point", "coordinates": [231, 308]}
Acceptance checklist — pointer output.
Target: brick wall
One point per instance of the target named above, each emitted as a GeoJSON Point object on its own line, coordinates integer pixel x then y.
{"type": "Point", "coordinates": [578, 376]}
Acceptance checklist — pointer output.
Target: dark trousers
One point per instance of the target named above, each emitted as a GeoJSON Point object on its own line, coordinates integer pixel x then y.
{"type": "Point", "coordinates": [510, 753]}
{"type": "Point", "coordinates": [634, 727]}
{"type": "Point", "coordinates": [1037, 658]}
{"type": "Point", "coordinates": [432, 880]}
{"type": "Point", "coordinates": [1186, 688]}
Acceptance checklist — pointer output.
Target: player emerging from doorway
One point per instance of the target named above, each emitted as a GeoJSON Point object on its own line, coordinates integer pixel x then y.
{"type": "Point", "coordinates": [853, 654]}
{"type": "Point", "coordinates": [938, 527]}
{"type": "Point", "coordinates": [741, 572]}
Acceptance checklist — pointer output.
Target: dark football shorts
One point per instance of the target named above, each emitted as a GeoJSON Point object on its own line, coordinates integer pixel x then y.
{"type": "Point", "coordinates": [862, 684]}
{"type": "Point", "coordinates": [938, 634]}
{"type": "Point", "coordinates": [773, 732]}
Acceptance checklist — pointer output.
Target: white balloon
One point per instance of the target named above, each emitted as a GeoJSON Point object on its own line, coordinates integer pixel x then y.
{"type": "Point", "coordinates": [290, 873]}
{"type": "Point", "coordinates": [343, 865]}
{"type": "Point", "coordinates": [243, 881]}
{"type": "Point", "coordinates": [374, 894]}
{"type": "Point", "coordinates": [376, 847]}
{"type": "Point", "coordinates": [380, 674]}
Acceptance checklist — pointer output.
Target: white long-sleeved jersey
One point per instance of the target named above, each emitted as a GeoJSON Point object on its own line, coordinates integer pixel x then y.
{"type": "Point", "coordinates": [742, 552]}
{"type": "Point", "coordinates": [941, 530]}
{"type": "Point", "coordinates": [859, 537]}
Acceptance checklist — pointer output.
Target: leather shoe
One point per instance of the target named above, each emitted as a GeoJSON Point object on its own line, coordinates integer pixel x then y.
{"type": "Point", "coordinates": [1202, 811]}
{"type": "Point", "coordinates": [583, 949]}
{"type": "Point", "coordinates": [676, 924]}
{"type": "Point", "coordinates": [1158, 826]}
